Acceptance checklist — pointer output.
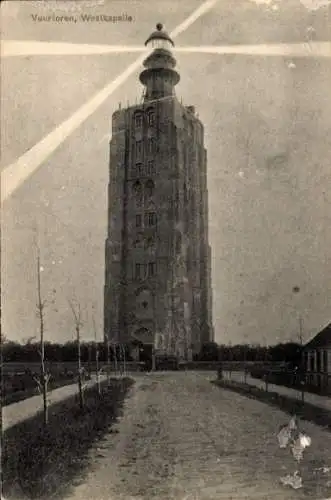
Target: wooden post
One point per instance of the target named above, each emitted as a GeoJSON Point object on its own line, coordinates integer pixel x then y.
{"type": "Point", "coordinates": [302, 370]}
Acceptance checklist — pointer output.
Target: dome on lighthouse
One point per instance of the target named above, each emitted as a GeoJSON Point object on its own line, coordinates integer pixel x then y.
{"type": "Point", "coordinates": [159, 77]}
{"type": "Point", "coordinates": [159, 39]}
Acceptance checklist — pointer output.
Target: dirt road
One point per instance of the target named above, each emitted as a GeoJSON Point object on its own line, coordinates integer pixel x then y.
{"type": "Point", "coordinates": [181, 437]}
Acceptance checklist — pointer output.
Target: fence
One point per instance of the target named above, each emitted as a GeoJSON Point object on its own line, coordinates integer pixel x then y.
{"type": "Point", "coordinates": [213, 365]}
{"type": "Point", "coordinates": [66, 366]}
{"type": "Point", "coordinates": [313, 382]}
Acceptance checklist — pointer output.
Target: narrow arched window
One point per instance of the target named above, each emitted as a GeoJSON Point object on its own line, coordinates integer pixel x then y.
{"type": "Point", "coordinates": [151, 118]}
{"type": "Point", "coordinates": [139, 241]}
{"type": "Point", "coordinates": [149, 245]}
{"type": "Point", "coordinates": [149, 189]}
{"type": "Point", "coordinates": [138, 149]}
{"type": "Point", "coordinates": [151, 269]}
{"type": "Point", "coordinates": [138, 220]}
{"type": "Point", "coordinates": [138, 120]}
{"type": "Point", "coordinates": [137, 193]}
{"type": "Point", "coordinates": [178, 242]}
{"type": "Point", "coordinates": [150, 219]}
{"type": "Point", "coordinates": [150, 167]}
{"type": "Point", "coordinates": [151, 146]}
{"type": "Point", "coordinates": [139, 169]}
{"type": "Point", "coordinates": [185, 194]}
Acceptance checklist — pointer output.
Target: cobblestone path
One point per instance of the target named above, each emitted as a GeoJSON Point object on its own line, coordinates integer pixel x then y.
{"type": "Point", "coordinates": [181, 437]}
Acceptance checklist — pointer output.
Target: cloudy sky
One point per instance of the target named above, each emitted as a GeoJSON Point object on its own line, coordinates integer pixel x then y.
{"type": "Point", "coordinates": [259, 74]}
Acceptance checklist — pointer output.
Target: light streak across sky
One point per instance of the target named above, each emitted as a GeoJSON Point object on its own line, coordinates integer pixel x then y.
{"type": "Point", "coordinates": [22, 168]}
{"type": "Point", "coordinates": [12, 48]}
{"type": "Point", "coordinates": [15, 174]}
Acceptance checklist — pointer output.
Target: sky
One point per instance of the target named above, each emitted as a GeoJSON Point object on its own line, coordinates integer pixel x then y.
{"type": "Point", "coordinates": [262, 92]}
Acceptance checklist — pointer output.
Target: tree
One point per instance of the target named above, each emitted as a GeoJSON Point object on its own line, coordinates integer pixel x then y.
{"type": "Point", "coordinates": [76, 312]}
{"type": "Point", "coordinates": [108, 361]}
{"type": "Point", "coordinates": [44, 378]}
{"type": "Point", "coordinates": [98, 371]}
{"type": "Point", "coordinates": [209, 352]}
{"type": "Point", "coordinates": [123, 358]}
{"type": "Point", "coordinates": [289, 353]}
{"type": "Point", "coordinates": [112, 345]}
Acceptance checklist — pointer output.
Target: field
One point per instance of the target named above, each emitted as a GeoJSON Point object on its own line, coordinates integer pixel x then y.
{"type": "Point", "coordinates": [21, 382]}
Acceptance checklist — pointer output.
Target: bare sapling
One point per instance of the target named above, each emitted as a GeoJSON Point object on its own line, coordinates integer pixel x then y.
{"type": "Point", "coordinates": [123, 352]}
{"type": "Point", "coordinates": [98, 371]}
{"type": "Point", "coordinates": [76, 312]}
{"type": "Point", "coordinates": [115, 358]}
{"type": "Point", "coordinates": [43, 380]}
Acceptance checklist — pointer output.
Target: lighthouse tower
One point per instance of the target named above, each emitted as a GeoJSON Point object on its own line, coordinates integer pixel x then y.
{"type": "Point", "coordinates": [157, 296]}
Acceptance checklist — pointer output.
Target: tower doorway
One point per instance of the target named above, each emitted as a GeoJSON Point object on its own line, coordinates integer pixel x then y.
{"type": "Point", "coordinates": [144, 340]}
{"type": "Point", "coordinates": [146, 355]}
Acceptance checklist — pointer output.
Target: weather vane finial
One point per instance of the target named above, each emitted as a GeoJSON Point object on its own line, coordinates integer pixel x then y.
{"type": "Point", "coordinates": [159, 26]}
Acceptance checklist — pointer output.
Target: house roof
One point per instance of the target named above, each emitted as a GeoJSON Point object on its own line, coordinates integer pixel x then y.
{"type": "Point", "coordinates": [322, 339]}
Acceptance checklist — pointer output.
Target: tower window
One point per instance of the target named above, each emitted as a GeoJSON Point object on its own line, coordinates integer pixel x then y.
{"type": "Point", "coordinates": [139, 241]}
{"type": "Point", "coordinates": [139, 169]}
{"type": "Point", "coordinates": [151, 269]}
{"type": "Point", "coordinates": [150, 244]}
{"type": "Point", "coordinates": [144, 298]}
{"type": "Point", "coordinates": [139, 149]}
{"type": "Point", "coordinates": [185, 194]}
{"type": "Point", "coordinates": [150, 219]}
{"type": "Point", "coordinates": [151, 118]}
{"type": "Point", "coordinates": [149, 189]}
{"type": "Point", "coordinates": [138, 120]}
{"type": "Point", "coordinates": [138, 220]}
{"type": "Point", "coordinates": [159, 43]}
{"type": "Point", "coordinates": [178, 243]}
{"type": "Point", "coordinates": [150, 145]}
{"type": "Point", "coordinates": [138, 271]}
{"type": "Point", "coordinates": [137, 193]}
{"type": "Point", "coordinates": [150, 167]}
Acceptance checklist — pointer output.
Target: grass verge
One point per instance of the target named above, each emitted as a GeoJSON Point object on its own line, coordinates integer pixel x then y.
{"type": "Point", "coordinates": [11, 397]}
{"type": "Point", "coordinates": [43, 463]}
{"type": "Point", "coordinates": [306, 411]}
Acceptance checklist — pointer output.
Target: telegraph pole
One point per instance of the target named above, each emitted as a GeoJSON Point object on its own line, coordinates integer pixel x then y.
{"type": "Point", "coordinates": [300, 330]}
